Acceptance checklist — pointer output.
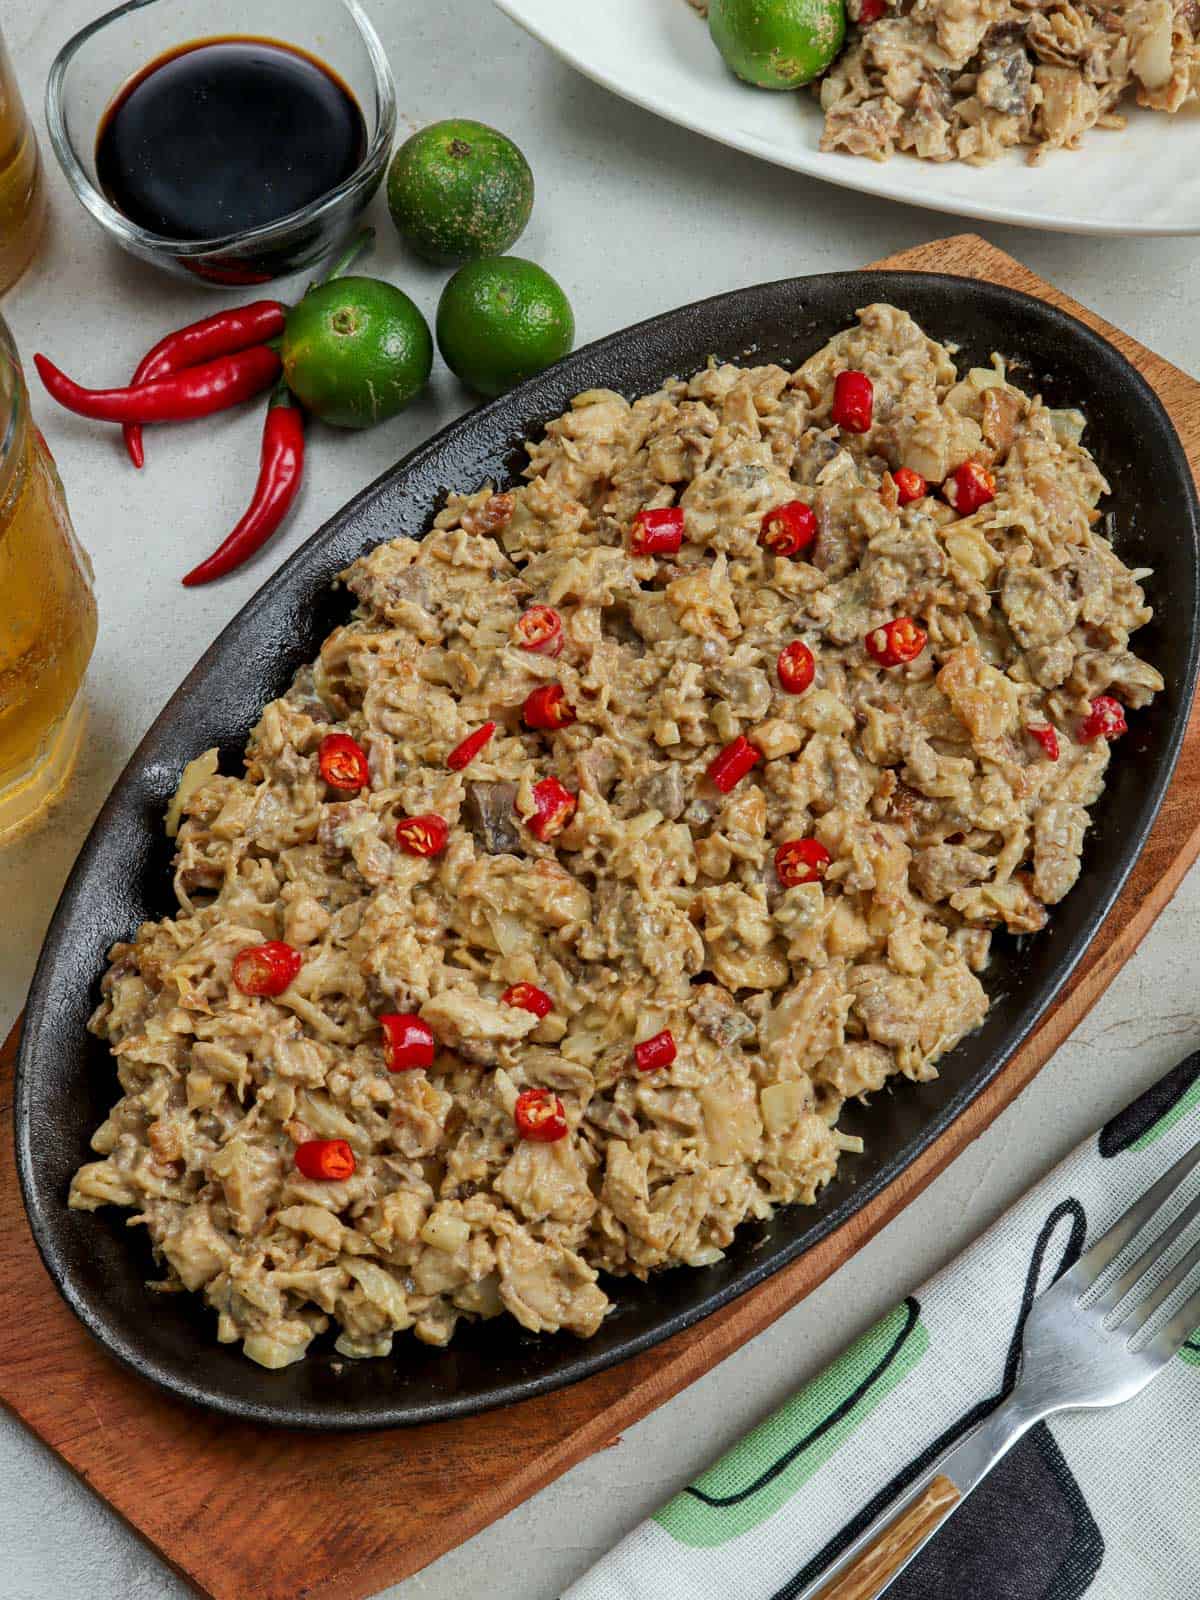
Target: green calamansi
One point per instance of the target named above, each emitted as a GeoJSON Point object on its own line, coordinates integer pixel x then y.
{"type": "Point", "coordinates": [777, 44]}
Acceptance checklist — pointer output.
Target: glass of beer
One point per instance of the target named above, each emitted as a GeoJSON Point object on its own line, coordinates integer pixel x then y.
{"type": "Point", "coordinates": [48, 620]}
{"type": "Point", "coordinates": [22, 191]}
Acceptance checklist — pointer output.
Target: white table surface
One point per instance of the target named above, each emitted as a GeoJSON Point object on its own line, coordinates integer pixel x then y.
{"type": "Point", "coordinates": [633, 216]}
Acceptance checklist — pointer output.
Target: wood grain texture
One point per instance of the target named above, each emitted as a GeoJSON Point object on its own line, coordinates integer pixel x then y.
{"type": "Point", "coordinates": [252, 1514]}
{"type": "Point", "coordinates": [900, 1540]}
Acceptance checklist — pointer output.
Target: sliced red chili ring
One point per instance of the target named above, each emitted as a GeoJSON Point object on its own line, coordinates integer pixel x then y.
{"type": "Point", "coordinates": [540, 629]}
{"type": "Point", "coordinates": [657, 533]}
{"type": "Point", "coordinates": [425, 835]}
{"type": "Point", "coordinates": [910, 485]}
{"type": "Point", "coordinates": [897, 642]}
{"type": "Point", "coordinates": [547, 707]}
{"type": "Point", "coordinates": [326, 1160]}
{"type": "Point", "coordinates": [266, 969]}
{"type": "Point", "coordinates": [1046, 736]}
{"type": "Point", "coordinates": [853, 402]}
{"type": "Point", "coordinates": [539, 1116]}
{"type": "Point", "coordinates": [343, 762]}
{"type": "Point", "coordinates": [528, 997]}
{"type": "Point", "coordinates": [1106, 720]}
{"type": "Point", "coordinates": [463, 754]}
{"type": "Point", "coordinates": [408, 1041]}
{"type": "Point", "coordinates": [732, 764]}
{"type": "Point", "coordinates": [656, 1052]}
{"type": "Point", "coordinates": [801, 861]}
{"type": "Point", "coordinates": [795, 667]}
{"type": "Point", "coordinates": [970, 487]}
{"type": "Point", "coordinates": [789, 528]}
{"type": "Point", "coordinates": [554, 808]}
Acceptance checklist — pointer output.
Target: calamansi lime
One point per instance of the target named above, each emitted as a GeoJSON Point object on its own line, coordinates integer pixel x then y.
{"type": "Point", "coordinates": [355, 351]}
{"type": "Point", "coordinates": [458, 190]}
{"type": "Point", "coordinates": [500, 320]}
{"type": "Point", "coordinates": [777, 44]}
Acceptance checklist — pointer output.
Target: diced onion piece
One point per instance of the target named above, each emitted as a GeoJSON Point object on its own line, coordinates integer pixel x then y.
{"type": "Point", "coordinates": [848, 1141]}
{"type": "Point", "coordinates": [1068, 425]}
{"type": "Point", "coordinates": [194, 776]}
{"type": "Point", "coordinates": [446, 1233]}
{"type": "Point", "coordinates": [783, 1104]}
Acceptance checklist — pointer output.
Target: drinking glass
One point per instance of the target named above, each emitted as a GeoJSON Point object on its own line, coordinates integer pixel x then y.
{"type": "Point", "coordinates": [47, 612]}
{"type": "Point", "coordinates": [22, 191]}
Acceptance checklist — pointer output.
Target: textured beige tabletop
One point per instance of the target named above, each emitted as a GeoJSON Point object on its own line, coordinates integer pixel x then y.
{"type": "Point", "coordinates": [633, 216]}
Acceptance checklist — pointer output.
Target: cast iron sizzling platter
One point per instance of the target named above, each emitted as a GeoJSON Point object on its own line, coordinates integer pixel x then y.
{"type": "Point", "coordinates": [65, 1078]}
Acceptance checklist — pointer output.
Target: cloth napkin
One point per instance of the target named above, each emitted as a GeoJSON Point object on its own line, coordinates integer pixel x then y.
{"type": "Point", "coordinates": [1103, 1503]}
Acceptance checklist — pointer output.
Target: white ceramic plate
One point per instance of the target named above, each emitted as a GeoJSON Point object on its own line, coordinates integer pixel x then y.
{"type": "Point", "coordinates": [657, 53]}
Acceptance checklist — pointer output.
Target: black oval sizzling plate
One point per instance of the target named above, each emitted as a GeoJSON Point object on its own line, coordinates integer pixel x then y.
{"type": "Point", "coordinates": [65, 1078]}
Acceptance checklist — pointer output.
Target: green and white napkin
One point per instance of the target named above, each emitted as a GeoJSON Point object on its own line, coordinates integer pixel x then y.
{"type": "Point", "coordinates": [1104, 1504]}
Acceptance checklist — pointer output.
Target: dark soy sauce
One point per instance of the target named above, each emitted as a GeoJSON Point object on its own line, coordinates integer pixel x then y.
{"type": "Point", "coordinates": [227, 134]}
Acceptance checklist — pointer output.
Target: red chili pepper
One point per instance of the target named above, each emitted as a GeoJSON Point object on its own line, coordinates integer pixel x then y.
{"type": "Point", "coordinates": [656, 1052]}
{"type": "Point", "coordinates": [1106, 720]}
{"type": "Point", "coordinates": [325, 1160]}
{"type": "Point", "coordinates": [795, 667]}
{"type": "Point", "coordinates": [657, 533]}
{"type": "Point", "coordinates": [194, 392]}
{"type": "Point", "coordinates": [789, 528]}
{"type": "Point", "coordinates": [265, 969]}
{"type": "Point", "coordinates": [897, 642]}
{"type": "Point", "coordinates": [343, 762]}
{"type": "Point", "coordinates": [200, 341]}
{"type": "Point", "coordinates": [555, 806]}
{"type": "Point", "coordinates": [547, 707]}
{"type": "Point", "coordinates": [463, 754]}
{"type": "Point", "coordinates": [970, 487]}
{"type": "Point", "coordinates": [407, 1041]}
{"type": "Point", "coordinates": [1046, 736]}
{"type": "Point", "coordinates": [539, 1116]}
{"type": "Point", "coordinates": [733, 763]}
{"type": "Point", "coordinates": [540, 629]}
{"type": "Point", "coordinates": [870, 11]}
{"type": "Point", "coordinates": [853, 402]}
{"type": "Point", "coordinates": [801, 861]}
{"type": "Point", "coordinates": [281, 466]}
{"type": "Point", "coordinates": [425, 835]}
{"type": "Point", "coordinates": [910, 485]}
{"type": "Point", "coordinates": [528, 997]}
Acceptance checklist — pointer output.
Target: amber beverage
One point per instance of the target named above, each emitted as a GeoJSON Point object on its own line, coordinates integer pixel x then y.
{"type": "Point", "coordinates": [47, 613]}
{"type": "Point", "coordinates": [22, 190]}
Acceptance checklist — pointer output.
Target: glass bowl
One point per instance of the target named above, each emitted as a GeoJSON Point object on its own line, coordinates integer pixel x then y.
{"type": "Point", "coordinates": [93, 66]}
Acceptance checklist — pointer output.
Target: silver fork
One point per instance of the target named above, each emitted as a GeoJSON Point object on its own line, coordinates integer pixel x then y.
{"type": "Point", "coordinates": [1077, 1352]}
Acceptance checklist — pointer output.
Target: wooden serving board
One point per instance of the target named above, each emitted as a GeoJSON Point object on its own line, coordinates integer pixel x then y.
{"type": "Point", "coordinates": [257, 1514]}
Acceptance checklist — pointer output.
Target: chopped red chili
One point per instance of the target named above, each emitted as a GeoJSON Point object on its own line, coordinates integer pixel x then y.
{"type": "Point", "coordinates": [407, 1041]}
{"type": "Point", "coordinates": [897, 642]}
{"type": "Point", "coordinates": [910, 485]}
{"type": "Point", "coordinates": [656, 1052]}
{"type": "Point", "coordinates": [554, 808]}
{"type": "Point", "coordinates": [547, 707]}
{"type": "Point", "coordinates": [801, 861]}
{"type": "Point", "coordinates": [870, 11]}
{"type": "Point", "coordinates": [853, 402]}
{"type": "Point", "coordinates": [265, 969]}
{"type": "Point", "coordinates": [970, 487]}
{"type": "Point", "coordinates": [657, 533]}
{"type": "Point", "coordinates": [463, 754]}
{"type": "Point", "coordinates": [789, 528]}
{"type": "Point", "coordinates": [425, 835]}
{"type": "Point", "coordinates": [343, 762]}
{"type": "Point", "coordinates": [540, 629]}
{"type": "Point", "coordinates": [539, 1115]}
{"type": "Point", "coordinates": [1046, 736]}
{"type": "Point", "coordinates": [528, 997]}
{"type": "Point", "coordinates": [325, 1160]}
{"type": "Point", "coordinates": [1106, 720]}
{"type": "Point", "coordinates": [733, 763]}
{"type": "Point", "coordinates": [795, 667]}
